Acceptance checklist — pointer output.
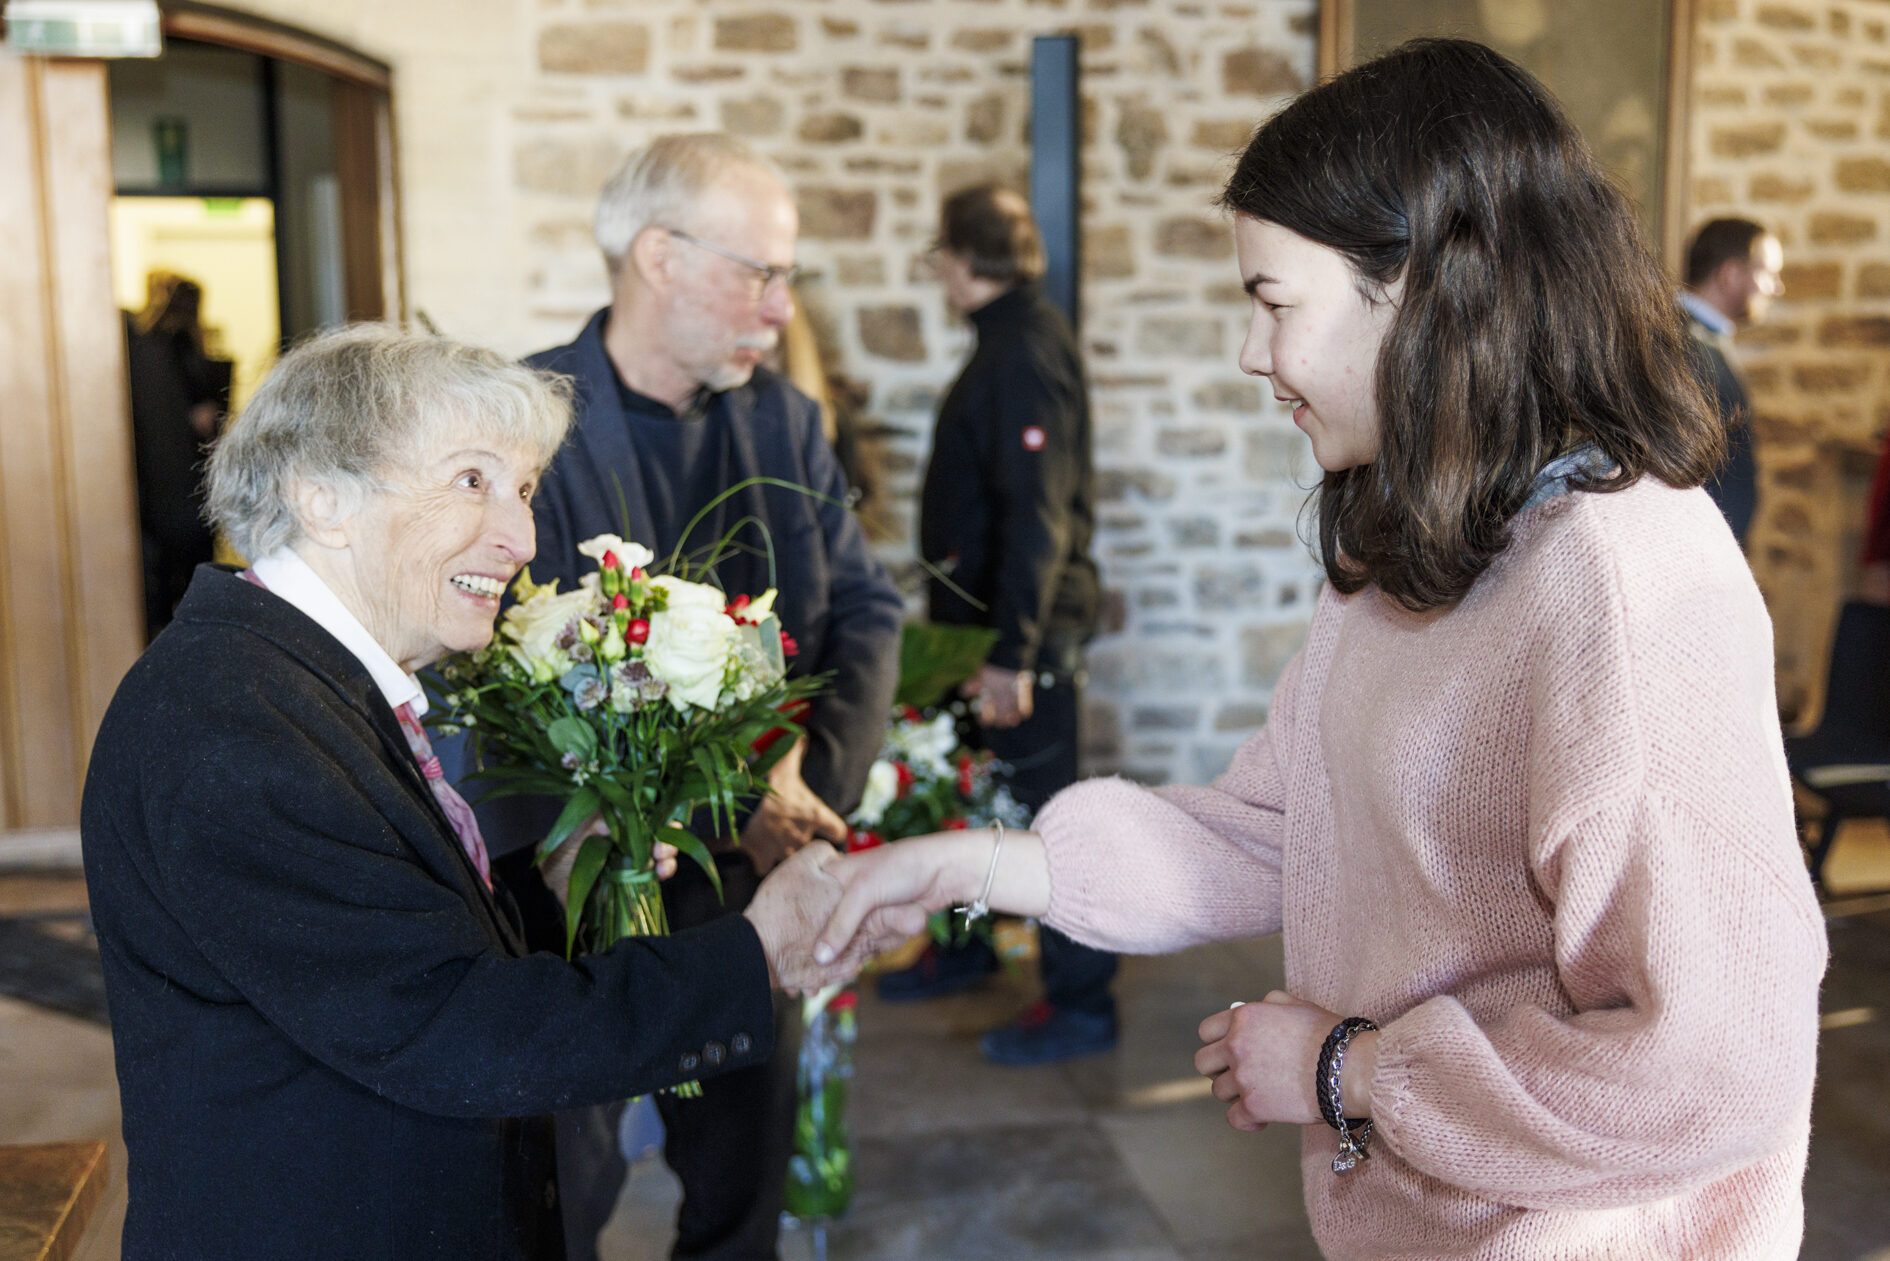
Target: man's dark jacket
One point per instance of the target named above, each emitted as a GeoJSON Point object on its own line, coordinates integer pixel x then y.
{"type": "Point", "coordinates": [1735, 487]}
{"type": "Point", "coordinates": [330, 1041]}
{"type": "Point", "coordinates": [835, 599]}
{"type": "Point", "coordinates": [1009, 502]}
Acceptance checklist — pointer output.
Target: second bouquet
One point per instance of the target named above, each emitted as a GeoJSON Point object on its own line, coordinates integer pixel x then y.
{"type": "Point", "coordinates": [640, 698]}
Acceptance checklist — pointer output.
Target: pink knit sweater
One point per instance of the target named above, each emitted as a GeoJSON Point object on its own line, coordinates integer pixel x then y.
{"type": "Point", "coordinates": [1545, 839]}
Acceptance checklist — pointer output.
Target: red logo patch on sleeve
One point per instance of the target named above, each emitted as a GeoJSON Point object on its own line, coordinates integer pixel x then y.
{"type": "Point", "coordinates": [1033, 438]}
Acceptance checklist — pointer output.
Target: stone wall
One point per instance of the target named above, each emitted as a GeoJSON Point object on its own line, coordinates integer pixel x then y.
{"type": "Point", "coordinates": [511, 114]}
{"type": "Point", "coordinates": [1790, 118]}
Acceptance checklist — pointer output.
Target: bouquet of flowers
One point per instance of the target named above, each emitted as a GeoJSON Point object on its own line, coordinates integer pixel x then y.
{"type": "Point", "coordinates": [641, 698]}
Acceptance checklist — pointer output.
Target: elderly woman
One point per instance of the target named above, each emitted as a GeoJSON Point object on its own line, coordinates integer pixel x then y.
{"type": "Point", "coordinates": [331, 1039]}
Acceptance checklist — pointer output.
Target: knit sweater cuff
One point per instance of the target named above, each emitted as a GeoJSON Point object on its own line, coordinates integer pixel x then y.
{"type": "Point", "coordinates": [1067, 826]}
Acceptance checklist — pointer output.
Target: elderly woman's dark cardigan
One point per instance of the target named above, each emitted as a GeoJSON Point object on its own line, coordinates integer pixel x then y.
{"type": "Point", "coordinates": [322, 1019]}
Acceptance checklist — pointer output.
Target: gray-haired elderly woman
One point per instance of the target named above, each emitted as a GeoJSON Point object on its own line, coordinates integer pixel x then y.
{"type": "Point", "coordinates": [331, 1039]}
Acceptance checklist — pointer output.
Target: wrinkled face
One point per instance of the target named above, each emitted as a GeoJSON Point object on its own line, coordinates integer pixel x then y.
{"type": "Point", "coordinates": [432, 553]}
{"type": "Point", "coordinates": [1314, 334]}
{"type": "Point", "coordinates": [722, 318]}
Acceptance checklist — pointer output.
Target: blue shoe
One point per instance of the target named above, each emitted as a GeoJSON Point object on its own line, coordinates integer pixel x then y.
{"type": "Point", "coordinates": [938, 973]}
{"type": "Point", "coordinates": [1045, 1034]}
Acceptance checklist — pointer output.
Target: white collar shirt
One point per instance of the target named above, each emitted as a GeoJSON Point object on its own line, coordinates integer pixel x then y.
{"type": "Point", "coordinates": [286, 574]}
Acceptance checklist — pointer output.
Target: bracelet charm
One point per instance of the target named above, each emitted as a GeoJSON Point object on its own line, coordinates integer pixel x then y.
{"type": "Point", "coordinates": [1354, 1134]}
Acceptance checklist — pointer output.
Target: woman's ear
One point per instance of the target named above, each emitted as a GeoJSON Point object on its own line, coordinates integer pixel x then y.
{"type": "Point", "coordinates": [320, 513]}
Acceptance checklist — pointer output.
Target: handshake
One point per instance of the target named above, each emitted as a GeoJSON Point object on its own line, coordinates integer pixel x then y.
{"type": "Point", "coordinates": [821, 914]}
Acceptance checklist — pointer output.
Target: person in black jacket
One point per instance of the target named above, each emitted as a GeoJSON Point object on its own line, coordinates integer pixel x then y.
{"type": "Point", "coordinates": [1005, 520]}
{"type": "Point", "coordinates": [1732, 275]}
{"type": "Point", "coordinates": [331, 1038]}
{"type": "Point", "coordinates": [674, 411]}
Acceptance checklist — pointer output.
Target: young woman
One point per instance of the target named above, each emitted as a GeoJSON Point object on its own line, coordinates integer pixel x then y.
{"type": "Point", "coordinates": [1521, 802]}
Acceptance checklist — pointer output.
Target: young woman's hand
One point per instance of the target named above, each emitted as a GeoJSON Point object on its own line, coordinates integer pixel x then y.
{"type": "Point", "coordinates": [1262, 1056]}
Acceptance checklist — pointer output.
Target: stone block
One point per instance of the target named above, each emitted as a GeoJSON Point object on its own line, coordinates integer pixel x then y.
{"type": "Point", "coordinates": [1723, 96]}
{"type": "Point", "coordinates": [870, 83]}
{"type": "Point", "coordinates": [1863, 175]}
{"type": "Point", "coordinates": [1813, 280]}
{"type": "Point", "coordinates": [1259, 72]}
{"type": "Point", "coordinates": [1829, 378]}
{"type": "Point", "coordinates": [1855, 330]}
{"type": "Point", "coordinates": [922, 399]}
{"type": "Point", "coordinates": [1191, 442]}
{"type": "Point", "coordinates": [1181, 337]}
{"type": "Point", "coordinates": [1157, 598]}
{"type": "Point", "coordinates": [839, 28]}
{"type": "Point", "coordinates": [834, 128]}
{"type": "Point", "coordinates": [984, 118]}
{"type": "Point", "coordinates": [983, 39]}
{"type": "Point", "coordinates": [916, 38]}
{"type": "Point", "coordinates": [1190, 237]}
{"type": "Point", "coordinates": [1265, 650]}
{"type": "Point", "coordinates": [1710, 189]}
{"type": "Point", "coordinates": [1787, 95]}
{"type": "Point", "coordinates": [1756, 54]}
{"type": "Point", "coordinates": [860, 270]}
{"type": "Point", "coordinates": [992, 168]}
{"type": "Point", "coordinates": [757, 33]}
{"type": "Point", "coordinates": [1160, 56]}
{"type": "Point", "coordinates": [892, 332]}
{"type": "Point", "coordinates": [594, 48]}
{"type": "Point", "coordinates": [1240, 716]}
{"type": "Point", "coordinates": [1747, 140]}
{"type": "Point", "coordinates": [1770, 187]}
{"type": "Point", "coordinates": [1191, 532]}
{"type": "Point", "coordinates": [1228, 396]}
{"type": "Point", "coordinates": [1777, 333]}
{"type": "Point", "coordinates": [752, 116]}
{"type": "Point", "coordinates": [1165, 718]}
{"type": "Point", "coordinates": [1266, 540]}
{"type": "Point", "coordinates": [1228, 135]}
{"type": "Point", "coordinates": [1873, 280]}
{"type": "Point", "coordinates": [706, 74]}
{"type": "Point", "coordinates": [1141, 132]}
{"type": "Point", "coordinates": [836, 214]}
{"type": "Point", "coordinates": [1785, 17]}
{"type": "Point", "coordinates": [1835, 129]}
{"type": "Point", "coordinates": [1108, 252]}
{"type": "Point", "coordinates": [1818, 57]}
{"type": "Point", "coordinates": [1115, 485]}
{"type": "Point", "coordinates": [1830, 227]}
{"type": "Point", "coordinates": [569, 169]}
{"type": "Point", "coordinates": [1218, 588]}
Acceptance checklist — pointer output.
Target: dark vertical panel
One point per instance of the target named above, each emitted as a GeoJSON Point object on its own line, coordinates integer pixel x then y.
{"type": "Point", "coordinates": [358, 168]}
{"type": "Point", "coordinates": [1056, 152]}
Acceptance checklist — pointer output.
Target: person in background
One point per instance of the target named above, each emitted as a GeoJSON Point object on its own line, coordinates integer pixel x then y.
{"type": "Point", "coordinates": [674, 411]}
{"type": "Point", "coordinates": [333, 1039]}
{"type": "Point", "coordinates": [1520, 810]}
{"type": "Point", "coordinates": [1005, 520]}
{"type": "Point", "coordinates": [1732, 275]}
{"type": "Point", "coordinates": [178, 394]}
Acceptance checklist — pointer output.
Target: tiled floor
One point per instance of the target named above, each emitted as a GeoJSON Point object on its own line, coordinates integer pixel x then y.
{"type": "Point", "coordinates": [1118, 1157]}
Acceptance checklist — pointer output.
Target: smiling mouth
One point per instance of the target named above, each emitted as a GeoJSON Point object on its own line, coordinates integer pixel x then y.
{"type": "Point", "coordinates": [479, 584]}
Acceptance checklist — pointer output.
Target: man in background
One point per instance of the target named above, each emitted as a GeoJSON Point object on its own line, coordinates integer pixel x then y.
{"type": "Point", "coordinates": [1005, 519]}
{"type": "Point", "coordinates": [1732, 275]}
{"type": "Point", "coordinates": [673, 411]}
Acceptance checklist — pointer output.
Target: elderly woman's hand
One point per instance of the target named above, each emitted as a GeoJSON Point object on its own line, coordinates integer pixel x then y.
{"type": "Point", "coordinates": [557, 869]}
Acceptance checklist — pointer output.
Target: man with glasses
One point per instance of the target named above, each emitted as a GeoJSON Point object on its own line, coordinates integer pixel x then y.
{"type": "Point", "coordinates": [1733, 268]}
{"type": "Point", "coordinates": [675, 409]}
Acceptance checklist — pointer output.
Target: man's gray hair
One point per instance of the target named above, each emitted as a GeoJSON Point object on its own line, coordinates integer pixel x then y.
{"type": "Point", "coordinates": [355, 407]}
{"type": "Point", "coordinates": [660, 184]}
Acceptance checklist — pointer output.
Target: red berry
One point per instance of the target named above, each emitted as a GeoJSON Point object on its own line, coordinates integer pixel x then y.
{"type": "Point", "coordinates": [638, 632]}
{"type": "Point", "coordinates": [609, 561]}
{"type": "Point", "coordinates": [619, 602]}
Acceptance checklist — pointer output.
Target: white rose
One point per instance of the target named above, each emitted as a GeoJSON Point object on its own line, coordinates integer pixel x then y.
{"type": "Point", "coordinates": [882, 789]}
{"type": "Point", "coordinates": [689, 649]}
{"type": "Point", "coordinates": [689, 594]}
{"type": "Point", "coordinates": [629, 555]}
{"type": "Point", "coordinates": [531, 626]}
{"type": "Point", "coordinates": [930, 745]}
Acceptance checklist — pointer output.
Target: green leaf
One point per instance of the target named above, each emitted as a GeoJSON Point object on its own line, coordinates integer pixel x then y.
{"type": "Point", "coordinates": [687, 841]}
{"type": "Point", "coordinates": [582, 805]}
{"type": "Point", "coordinates": [573, 735]}
{"type": "Point", "coordinates": [934, 659]}
{"type": "Point", "coordinates": [590, 861]}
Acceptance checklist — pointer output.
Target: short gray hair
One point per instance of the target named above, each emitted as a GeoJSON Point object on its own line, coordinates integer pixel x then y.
{"type": "Point", "coordinates": [658, 185]}
{"type": "Point", "coordinates": [349, 406]}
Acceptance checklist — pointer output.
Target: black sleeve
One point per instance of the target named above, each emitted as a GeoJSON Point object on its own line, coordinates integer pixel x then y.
{"type": "Point", "coordinates": [1033, 472]}
{"type": "Point", "coordinates": [304, 897]}
{"type": "Point", "coordinates": [861, 646]}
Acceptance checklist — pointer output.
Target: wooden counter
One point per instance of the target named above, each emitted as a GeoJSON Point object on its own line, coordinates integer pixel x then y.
{"type": "Point", "coordinates": [47, 1194]}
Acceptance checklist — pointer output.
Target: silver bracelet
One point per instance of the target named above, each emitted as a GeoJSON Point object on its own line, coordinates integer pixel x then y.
{"type": "Point", "coordinates": [982, 907]}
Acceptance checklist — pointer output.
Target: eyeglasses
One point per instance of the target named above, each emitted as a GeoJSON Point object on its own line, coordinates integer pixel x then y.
{"type": "Point", "coordinates": [766, 273]}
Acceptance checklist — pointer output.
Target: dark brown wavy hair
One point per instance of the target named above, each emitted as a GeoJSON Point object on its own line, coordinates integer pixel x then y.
{"type": "Point", "coordinates": [1533, 318]}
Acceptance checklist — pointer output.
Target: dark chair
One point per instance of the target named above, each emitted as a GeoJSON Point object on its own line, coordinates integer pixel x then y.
{"type": "Point", "coordinates": [1846, 761]}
